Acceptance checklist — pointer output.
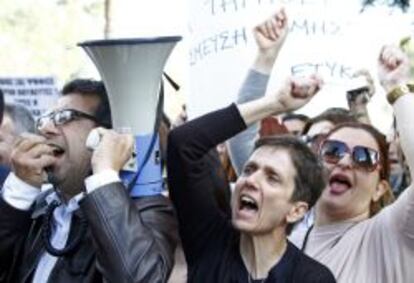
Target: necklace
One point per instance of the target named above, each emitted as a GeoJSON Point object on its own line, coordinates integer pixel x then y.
{"type": "Point", "coordinates": [305, 240]}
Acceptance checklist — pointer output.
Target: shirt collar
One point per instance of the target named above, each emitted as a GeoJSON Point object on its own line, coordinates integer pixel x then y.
{"type": "Point", "coordinates": [71, 205]}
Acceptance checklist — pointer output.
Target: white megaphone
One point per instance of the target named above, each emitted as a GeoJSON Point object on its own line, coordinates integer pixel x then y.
{"type": "Point", "coordinates": [131, 70]}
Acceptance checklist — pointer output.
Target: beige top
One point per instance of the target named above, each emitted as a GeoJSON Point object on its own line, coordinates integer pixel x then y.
{"type": "Point", "coordinates": [380, 249]}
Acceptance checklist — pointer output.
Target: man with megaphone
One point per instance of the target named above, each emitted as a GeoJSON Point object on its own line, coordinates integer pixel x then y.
{"type": "Point", "coordinates": [87, 228]}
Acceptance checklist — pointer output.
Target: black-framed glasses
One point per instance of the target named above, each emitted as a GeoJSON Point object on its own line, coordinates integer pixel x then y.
{"type": "Point", "coordinates": [62, 117]}
{"type": "Point", "coordinates": [332, 151]}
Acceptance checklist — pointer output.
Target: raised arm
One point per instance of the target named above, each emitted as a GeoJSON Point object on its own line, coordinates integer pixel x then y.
{"type": "Point", "coordinates": [18, 195]}
{"type": "Point", "coordinates": [270, 36]}
{"type": "Point", "coordinates": [358, 101]}
{"type": "Point", "coordinates": [395, 77]}
{"type": "Point", "coordinates": [190, 175]}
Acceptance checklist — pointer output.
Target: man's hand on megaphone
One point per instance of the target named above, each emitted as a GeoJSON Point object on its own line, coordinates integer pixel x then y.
{"type": "Point", "coordinates": [270, 36]}
{"type": "Point", "coordinates": [295, 93]}
{"type": "Point", "coordinates": [29, 158]}
{"type": "Point", "coordinates": [113, 150]}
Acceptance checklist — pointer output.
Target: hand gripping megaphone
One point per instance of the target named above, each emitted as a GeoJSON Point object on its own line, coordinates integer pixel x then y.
{"type": "Point", "coordinates": [131, 70]}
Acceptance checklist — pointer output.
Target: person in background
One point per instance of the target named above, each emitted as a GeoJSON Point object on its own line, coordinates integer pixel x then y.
{"type": "Point", "coordinates": [399, 173]}
{"type": "Point", "coordinates": [349, 231]}
{"type": "Point", "coordinates": [295, 122]}
{"type": "Point", "coordinates": [1, 105]}
{"type": "Point", "coordinates": [280, 181]}
{"type": "Point", "coordinates": [359, 92]}
{"type": "Point", "coordinates": [16, 120]}
{"type": "Point", "coordinates": [317, 127]}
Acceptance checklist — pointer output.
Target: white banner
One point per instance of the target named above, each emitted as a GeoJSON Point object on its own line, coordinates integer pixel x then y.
{"type": "Point", "coordinates": [333, 38]}
{"type": "Point", "coordinates": [35, 93]}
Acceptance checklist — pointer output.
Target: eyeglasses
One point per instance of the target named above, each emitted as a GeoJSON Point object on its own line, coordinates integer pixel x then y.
{"type": "Point", "coordinates": [62, 117]}
{"type": "Point", "coordinates": [332, 151]}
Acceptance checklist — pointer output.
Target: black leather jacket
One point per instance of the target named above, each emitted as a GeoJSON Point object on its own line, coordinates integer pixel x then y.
{"type": "Point", "coordinates": [128, 240]}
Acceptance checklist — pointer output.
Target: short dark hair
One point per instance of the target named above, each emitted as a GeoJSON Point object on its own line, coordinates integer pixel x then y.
{"type": "Point", "coordinates": [92, 87]}
{"type": "Point", "coordinates": [310, 178]}
{"type": "Point", "coordinates": [23, 120]}
{"type": "Point", "coordinates": [335, 115]}
{"type": "Point", "coordinates": [295, 116]}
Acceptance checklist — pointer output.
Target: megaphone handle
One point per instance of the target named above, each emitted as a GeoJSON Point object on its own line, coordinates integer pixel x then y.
{"type": "Point", "coordinates": [160, 107]}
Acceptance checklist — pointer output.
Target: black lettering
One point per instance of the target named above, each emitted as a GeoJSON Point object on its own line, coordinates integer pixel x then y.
{"type": "Point", "coordinates": [22, 91]}
{"type": "Point", "coordinates": [332, 29]}
{"type": "Point", "coordinates": [313, 27]}
{"type": "Point", "coordinates": [225, 4]}
{"type": "Point", "coordinates": [196, 53]}
{"type": "Point", "coordinates": [206, 49]}
{"type": "Point", "coordinates": [240, 34]}
{"type": "Point", "coordinates": [301, 26]}
{"type": "Point", "coordinates": [224, 36]}
{"type": "Point", "coordinates": [11, 92]}
{"type": "Point", "coordinates": [25, 102]}
{"type": "Point", "coordinates": [4, 82]}
{"type": "Point", "coordinates": [217, 43]}
{"type": "Point", "coordinates": [302, 69]}
{"type": "Point", "coordinates": [331, 67]}
{"type": "Point", "coordinates": [345, 72]}
{"type": "Point", "coordinates": [19, 82]}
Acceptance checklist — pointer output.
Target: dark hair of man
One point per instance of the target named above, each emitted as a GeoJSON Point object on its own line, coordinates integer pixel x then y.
{"type": "Point", "coordinates": [91, 87]}
{"type": "Point", "coordinates": [334, 115]}
{"type": "Point", "coordinates": [294, 116]}
{"type": "Point", "coordinates": [23, 120]}
{"type": "Point", "coordinates": [310, 177]}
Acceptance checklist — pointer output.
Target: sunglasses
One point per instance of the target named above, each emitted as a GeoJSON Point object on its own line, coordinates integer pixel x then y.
{"type": "Point", "coordinates": [365, 158]}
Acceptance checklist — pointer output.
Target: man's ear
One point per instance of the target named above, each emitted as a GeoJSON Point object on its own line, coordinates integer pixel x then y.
{"type": "Point", "coordinates": [297, 212]}
{"type": "Point", "coordinates": [380, 190]}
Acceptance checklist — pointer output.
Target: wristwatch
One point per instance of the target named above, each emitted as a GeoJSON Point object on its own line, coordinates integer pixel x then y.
{"type": "Point", "coordinates": [399, 91]}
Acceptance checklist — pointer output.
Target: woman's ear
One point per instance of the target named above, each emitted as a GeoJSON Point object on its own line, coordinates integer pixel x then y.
{"type": "Point", "coordinates": [297, 212]}
{"type": "Point", "coordinates": [380, 190]}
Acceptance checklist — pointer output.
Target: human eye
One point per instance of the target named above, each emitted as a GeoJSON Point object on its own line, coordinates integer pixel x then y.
{"type": "Point", "coordinates": [63, 117]}
{"type": "Point", "coordinates": [273, 178]}
{"type": "Point", "coordinates": [248, 169]}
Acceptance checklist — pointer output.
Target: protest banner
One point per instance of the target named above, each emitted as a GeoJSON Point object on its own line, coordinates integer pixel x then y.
{"type": "Point", "coordinates": [333, 38]}
{"type": "Point", "coordinates": [35, 93]}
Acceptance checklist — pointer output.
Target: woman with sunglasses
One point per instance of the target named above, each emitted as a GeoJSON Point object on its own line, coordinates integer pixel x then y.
{"type": "Point", "coordinates": [355, 244]}
{"type": "Point", "coordinates": [348, 236]}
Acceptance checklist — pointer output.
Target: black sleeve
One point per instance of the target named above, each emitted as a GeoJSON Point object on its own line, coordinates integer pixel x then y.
{"type": "Point", "coordinates": [312, 271]}
{"type": "Point", "coordinates": [14, 227]}
{"type": "Point", "coordinates": [189, 175]}
{"type": "Point", "coordinates": [135, 239]}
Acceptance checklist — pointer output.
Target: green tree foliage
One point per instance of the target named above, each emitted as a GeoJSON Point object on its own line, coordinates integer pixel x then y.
{"type": "Point", "coordinates": [40, 37]}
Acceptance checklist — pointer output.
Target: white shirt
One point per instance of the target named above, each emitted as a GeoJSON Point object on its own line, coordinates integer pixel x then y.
{"type": "Point", "coordinates": [21, 195]}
